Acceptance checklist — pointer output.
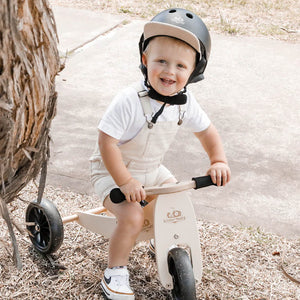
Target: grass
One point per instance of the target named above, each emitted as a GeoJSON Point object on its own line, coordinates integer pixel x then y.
{"type": "Point", "coordinates": [277, 19]}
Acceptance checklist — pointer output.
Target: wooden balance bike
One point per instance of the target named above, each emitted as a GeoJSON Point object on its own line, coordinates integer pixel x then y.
{"type": "Point", "coordinates": [170, 221]}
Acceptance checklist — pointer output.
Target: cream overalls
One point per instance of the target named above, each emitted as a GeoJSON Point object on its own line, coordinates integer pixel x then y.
{"type": "Point", "coordinates": [143, 155]}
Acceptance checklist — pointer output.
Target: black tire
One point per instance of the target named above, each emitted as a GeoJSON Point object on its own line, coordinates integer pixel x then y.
{"type": "Point", "coordinates": [46, 231]}
{"type": "Point", "coordinates": [181, 270]}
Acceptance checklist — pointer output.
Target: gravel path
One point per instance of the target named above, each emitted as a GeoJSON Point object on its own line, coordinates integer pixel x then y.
{"type": "Point", "coordinates": [239, 262]}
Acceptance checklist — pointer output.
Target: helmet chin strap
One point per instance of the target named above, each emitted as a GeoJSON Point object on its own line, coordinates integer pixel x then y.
{"type": "Point", "coordinates": [178, 99]}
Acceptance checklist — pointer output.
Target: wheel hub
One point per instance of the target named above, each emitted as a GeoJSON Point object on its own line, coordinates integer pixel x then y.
{"type": "Point", "coordinates": [37, 228]}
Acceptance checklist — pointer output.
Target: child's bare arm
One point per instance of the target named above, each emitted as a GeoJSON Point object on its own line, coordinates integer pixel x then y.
{"type": "Point", "coordinates": [212, 144]}
{"type": "Point", "coordinates": [113, 161]}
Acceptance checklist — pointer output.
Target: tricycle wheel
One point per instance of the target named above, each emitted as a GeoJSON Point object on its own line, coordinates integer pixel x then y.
{"type": "Point", "coordinates": [181, 270]}
{"type": "Point", "coordinates": [44, 225]}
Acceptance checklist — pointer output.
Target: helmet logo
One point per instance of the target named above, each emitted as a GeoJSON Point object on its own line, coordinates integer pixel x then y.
{"type": "Point", "coordinates": [178, 20]}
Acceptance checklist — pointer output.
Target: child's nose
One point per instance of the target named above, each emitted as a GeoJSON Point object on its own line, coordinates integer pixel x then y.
{"type": "Point", "coordinates": [170, 69]}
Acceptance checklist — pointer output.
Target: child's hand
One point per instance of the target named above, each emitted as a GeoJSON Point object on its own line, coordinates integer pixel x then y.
{"type": "Point", "coordinates": [220, 173]}
{"type": "Point", "coordinates": [133, 191]}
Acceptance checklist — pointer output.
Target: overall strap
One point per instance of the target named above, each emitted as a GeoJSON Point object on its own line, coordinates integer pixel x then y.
{"type": "Point", "coordinates": [146, 105]}
{"type": "Point", "coordinates": [145, 102]}
{"type": "Point", "coordinates": [182, 110]}
{"type": "Point", "coordinates": [147, 109]}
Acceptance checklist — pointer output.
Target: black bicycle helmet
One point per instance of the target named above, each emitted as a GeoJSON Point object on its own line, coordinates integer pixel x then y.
{"type": "Point", "coordinates": [184, 25]}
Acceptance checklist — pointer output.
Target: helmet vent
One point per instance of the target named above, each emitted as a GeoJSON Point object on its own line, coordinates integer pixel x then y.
{"type": "Point", "coordinates": [189, 15]}
{"type": "Point", "coordinates": [172, 11]}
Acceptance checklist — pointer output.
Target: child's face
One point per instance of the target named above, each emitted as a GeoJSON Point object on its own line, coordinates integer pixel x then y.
{"type": "Point", "coordinates": [169, 63]}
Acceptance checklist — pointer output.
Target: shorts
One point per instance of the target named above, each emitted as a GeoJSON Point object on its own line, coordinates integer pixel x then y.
{"type": "Point", "coordinates": [103, 183]}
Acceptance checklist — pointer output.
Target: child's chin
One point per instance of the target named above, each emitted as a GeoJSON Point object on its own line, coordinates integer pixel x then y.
{"type": "Point", "coordinates": [165, 92]}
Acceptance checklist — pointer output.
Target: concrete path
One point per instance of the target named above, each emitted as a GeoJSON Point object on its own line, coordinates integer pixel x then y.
{"type": "Point", "coordinates": [251, 93]}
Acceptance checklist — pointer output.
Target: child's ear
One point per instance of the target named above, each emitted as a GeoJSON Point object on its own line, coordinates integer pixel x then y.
{"type": "Point", "coordinates": [144, 59]}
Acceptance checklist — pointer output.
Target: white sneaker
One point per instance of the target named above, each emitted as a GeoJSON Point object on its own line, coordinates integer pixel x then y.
{"type": "Point", "coordinates": [115, 284]}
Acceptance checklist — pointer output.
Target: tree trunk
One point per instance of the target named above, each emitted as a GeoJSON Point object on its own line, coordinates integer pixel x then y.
{"type": "Point", "coordinates": [29, 62]}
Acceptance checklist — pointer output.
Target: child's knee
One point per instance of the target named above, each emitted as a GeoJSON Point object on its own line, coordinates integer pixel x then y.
{"type": "Point", "coordinates": [137, 218]}
{"type": "Point", "coordinates": [134, 219]}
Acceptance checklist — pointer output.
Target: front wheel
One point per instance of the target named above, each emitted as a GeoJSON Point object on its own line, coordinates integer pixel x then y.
{"type": "Point", "coordinates": [44, 226]}
{"type": "Point", "coordinates": [181, 270]}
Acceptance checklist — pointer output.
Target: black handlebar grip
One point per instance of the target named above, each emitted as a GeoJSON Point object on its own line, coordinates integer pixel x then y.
{"type": "Point", "coordinates": [117, 196]}
{"type": "Point", "coordinates": [202, 181]}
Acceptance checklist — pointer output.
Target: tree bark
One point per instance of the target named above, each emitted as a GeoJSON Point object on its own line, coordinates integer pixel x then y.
{"type": "Point", "coordinates": [29, 62]}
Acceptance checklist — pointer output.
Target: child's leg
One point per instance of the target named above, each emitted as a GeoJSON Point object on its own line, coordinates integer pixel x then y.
{"type": "Point", "coordinates": [170, 180]}
{"type": "Point", "coordinates": [130, 218]}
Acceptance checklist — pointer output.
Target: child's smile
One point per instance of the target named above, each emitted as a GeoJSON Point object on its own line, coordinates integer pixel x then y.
{"type": "Point", "coordinates": [169, 63]}
{"type": "Point", "coordinates": [167, 82]}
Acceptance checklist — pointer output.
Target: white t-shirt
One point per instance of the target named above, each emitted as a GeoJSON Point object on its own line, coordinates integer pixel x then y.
{"type": "Point", "coordinates": [124, 117]}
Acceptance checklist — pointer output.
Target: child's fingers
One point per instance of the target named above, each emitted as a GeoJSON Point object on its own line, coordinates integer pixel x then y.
{"type": "Point", "coordinates": [137, 195]}
{"type": "Point", "coordinates": [213, 176]}
{"type": "Point", "coordinates": [216, 177]}
{"type": "Point", "coordinates": [219, 177]}
{"type": "Point", "coordinates": [140, 195]}
{"type": "Point", "coordinates": [226, 176]}
{"type": "Point", "coordinates": [133, 198]}
{"type": "Point", "coordinates": [128, 198]}
{"type": "Point", "coordinates": [220, 174]}
{"type": "Point", "coordinates": [143, 194]}
{"type": "Point", "coordinates": [133, 191]}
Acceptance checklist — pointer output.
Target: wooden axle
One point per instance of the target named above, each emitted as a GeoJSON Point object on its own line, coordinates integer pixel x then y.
{"type": "Point", "coordinates": [75, 217]}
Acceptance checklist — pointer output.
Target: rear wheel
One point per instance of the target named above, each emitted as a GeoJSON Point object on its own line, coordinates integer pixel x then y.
{"type": "Point", "coordinates": [44, 226]}
{"type": "Point", "coordinates": [181, 270]}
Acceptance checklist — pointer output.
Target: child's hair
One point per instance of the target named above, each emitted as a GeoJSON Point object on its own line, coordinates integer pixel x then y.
{"type": "Point", "coordinates": [184, 25]}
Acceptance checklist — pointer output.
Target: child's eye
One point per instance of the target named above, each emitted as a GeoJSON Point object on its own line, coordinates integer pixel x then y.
{"type": "Point", "coordinates": [162, 61]}
{"type": "Point", "coordinates": [181, 66]}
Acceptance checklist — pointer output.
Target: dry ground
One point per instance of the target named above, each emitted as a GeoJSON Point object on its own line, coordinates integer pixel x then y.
{"type": "Point", "coordinates": [272, 18]}
{"type": "Point", "coordinates": [239, 263]}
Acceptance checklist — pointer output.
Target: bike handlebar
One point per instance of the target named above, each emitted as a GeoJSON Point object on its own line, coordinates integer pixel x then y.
{"type": "Point", "coordinates": [117, 196]}
{"type": "Point", "coordinates": [202, 181]}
